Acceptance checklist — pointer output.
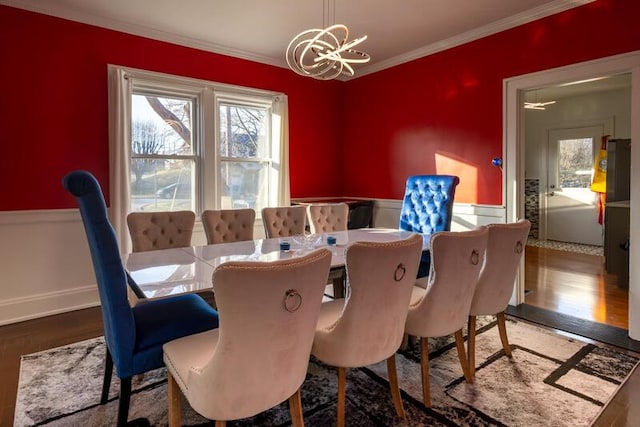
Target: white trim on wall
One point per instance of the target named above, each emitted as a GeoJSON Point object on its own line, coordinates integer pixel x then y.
{"type": "Point", "coordinates": [46, 267]}
{"type": "Point", "coordinates": [46, 304]}
{"type": "Point", "coordinates": [513, 143]}
{"type": "Point", "coordinates": [386, 214]}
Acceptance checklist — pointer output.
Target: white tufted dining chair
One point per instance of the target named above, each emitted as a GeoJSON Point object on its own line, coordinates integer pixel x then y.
{"type": "Point", "coordinates": [160, 230]}
{"type": "Point", "coordinates": [327, 217]}
{"type": "Point", "coordinates": [443, 307]}
{"type": "Point", "coordinates": [228, 225]}
{"type": "Point", "coordinates": [284, 221]}
{"type": "Point", "coordinates": [367, 326]}
{"type": "Point", "coordinates": [505, 248]}
{"type": "Point", "coordinates": [259, 355]}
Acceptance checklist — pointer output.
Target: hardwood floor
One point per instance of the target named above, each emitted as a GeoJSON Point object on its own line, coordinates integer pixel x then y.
{"type": "Point", "coordinates": [573, 284]}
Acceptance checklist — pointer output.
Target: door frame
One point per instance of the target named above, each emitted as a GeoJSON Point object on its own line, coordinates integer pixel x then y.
{"type": "Point", "coordinates": [513, 149]}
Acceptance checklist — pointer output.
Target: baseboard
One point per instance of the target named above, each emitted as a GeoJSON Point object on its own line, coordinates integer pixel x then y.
{"type": "Point", "coordinates": [46, 304]}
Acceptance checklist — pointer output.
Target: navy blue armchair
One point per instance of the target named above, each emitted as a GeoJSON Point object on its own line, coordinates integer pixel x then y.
{"type": "Point", "coordinates": [134, 335]}
{"type": "Point", "coordinates": [427, 208]}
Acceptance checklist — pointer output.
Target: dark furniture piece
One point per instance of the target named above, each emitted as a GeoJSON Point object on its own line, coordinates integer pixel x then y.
{"type": "Point", "coordinates": [360, 211]}
{"type": "Point", "coordinates": [618, 169]}
{"type": "Point", "coordinates": [133, 335]}
{"type": "Point", "coordinates": [617, 211]}
{"type": "Point", "coordinates": [616, 240]}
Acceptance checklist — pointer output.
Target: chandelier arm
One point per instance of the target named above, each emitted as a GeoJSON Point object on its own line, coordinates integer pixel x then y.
{"type": "Point", "coordinates": [322, 53]}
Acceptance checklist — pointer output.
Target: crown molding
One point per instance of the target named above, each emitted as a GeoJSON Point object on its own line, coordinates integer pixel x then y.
{"type": "Point", "coordinates": [530, 15]}
{"type": "Point", "coordinates": [71, 14]}
{"type": "Point", "coordinates": [44, 7]}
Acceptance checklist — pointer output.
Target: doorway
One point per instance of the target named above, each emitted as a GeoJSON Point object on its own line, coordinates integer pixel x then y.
{"type": "Point", "coordinates": [515, 160]}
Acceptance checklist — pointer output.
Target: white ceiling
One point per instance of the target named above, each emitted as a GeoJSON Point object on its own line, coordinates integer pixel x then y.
{"type": "Point", "coordinates": [571, 89]}
{"type": "Point", "coordinates": [260, 30]}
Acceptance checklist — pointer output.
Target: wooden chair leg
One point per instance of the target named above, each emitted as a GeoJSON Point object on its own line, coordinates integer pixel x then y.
{"type": "Point", "coordinates": [295, 409]}
{"type": "Point", "coordinates": [342, 397]}
{"type": "Point", "coordinates": [471, 346]}
{"type": "Point", "coordinates": [339, 282]}
{"type": "Point", "coordinates": [395, 388]}
{"type": "Point", "coordinates": [175, 402]}
{"type": "Point", "coordinates": [462, 356]}
{"type": "Point", "coordinates": [123, 402]}
{"type": "Point", "coordinates": [106, 382]}
{"type": "Point", "coordinates": [502, 327]}
{"type": "Point", "coordinates": [424, 363]}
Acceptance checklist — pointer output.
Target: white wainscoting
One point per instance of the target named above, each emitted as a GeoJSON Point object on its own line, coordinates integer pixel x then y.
{"type": "Point", "coordinates": [386, 213]}
{"type": "Point", "coordinates": [46, 267]}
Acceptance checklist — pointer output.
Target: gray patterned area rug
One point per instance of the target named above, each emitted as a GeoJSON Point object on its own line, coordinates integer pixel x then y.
{"type": "Point", "coordinates": [551, 380]}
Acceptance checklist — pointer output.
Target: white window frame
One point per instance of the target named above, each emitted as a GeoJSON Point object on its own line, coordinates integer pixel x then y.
{"type": "Point", "coordinates": [207, 96]}
{"type": "Point", "coordinates": [196, 96]}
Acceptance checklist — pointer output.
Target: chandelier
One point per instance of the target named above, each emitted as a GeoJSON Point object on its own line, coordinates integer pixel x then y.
{"type": "Point", "coordinates": [325, 54]}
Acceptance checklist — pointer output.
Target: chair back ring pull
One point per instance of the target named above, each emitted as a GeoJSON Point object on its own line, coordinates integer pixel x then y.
{"type": "Point", "coordinates": [519, 247]}
{"type": "Point", "coordinates": [292, 300]}
{"type": "Point", "coordinates": [398, 275]}
{"type": "Point", "coordinates": [475, 257]}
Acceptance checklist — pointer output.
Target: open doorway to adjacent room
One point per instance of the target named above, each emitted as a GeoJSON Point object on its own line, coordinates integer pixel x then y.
{"type": "Point", "coordinates": [563, 135]}
{"type": "Point", "coordinates": [546, 175]}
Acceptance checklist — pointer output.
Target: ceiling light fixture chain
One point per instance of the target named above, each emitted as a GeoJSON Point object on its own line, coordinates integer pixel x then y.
{"type": "Point", "coordinates": [326, 53]}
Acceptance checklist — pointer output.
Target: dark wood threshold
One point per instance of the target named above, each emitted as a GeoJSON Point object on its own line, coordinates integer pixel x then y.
{"type": "Point", "coordinates": [596, 331]}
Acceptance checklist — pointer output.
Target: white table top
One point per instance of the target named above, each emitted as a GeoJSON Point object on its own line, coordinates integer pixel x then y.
{"type": "Point", "coordinates": [167, 272]}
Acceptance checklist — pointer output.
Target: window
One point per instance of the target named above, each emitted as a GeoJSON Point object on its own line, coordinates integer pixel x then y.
{"type": "Point", "coordinates": [179, 143]}
{"type": "Point", "coordinates": [245, 154]}
{"type": "Point", "coordinates": [163, 156]}
{"type": "Point", "coordinates": [575, 162]}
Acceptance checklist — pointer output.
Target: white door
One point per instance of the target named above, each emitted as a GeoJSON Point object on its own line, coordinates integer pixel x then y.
{"type": "Point", "coordinates": [571, 206]}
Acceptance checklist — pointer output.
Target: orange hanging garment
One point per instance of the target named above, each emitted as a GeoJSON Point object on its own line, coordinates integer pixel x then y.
{"type": "Point", "coordinates": [599, 181]}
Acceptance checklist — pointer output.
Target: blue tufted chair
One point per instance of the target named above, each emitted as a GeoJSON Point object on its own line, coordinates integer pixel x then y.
{"type": "Point", "coordinates": [427, 207]}
{"type": "Point", "coordinates": [134, 336]}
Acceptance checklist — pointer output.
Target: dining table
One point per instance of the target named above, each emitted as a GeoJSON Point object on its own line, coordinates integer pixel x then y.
{"type": "Point", "coordinates": [169, 272]}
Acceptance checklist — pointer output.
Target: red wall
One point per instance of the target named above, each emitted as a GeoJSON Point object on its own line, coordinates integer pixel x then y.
{"type": "Point", "coordinates": [53, 105]}
{"type": "Point", "coordinates": [443, 113]}
{"type": "Point", "coordinates": [438, 114]}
